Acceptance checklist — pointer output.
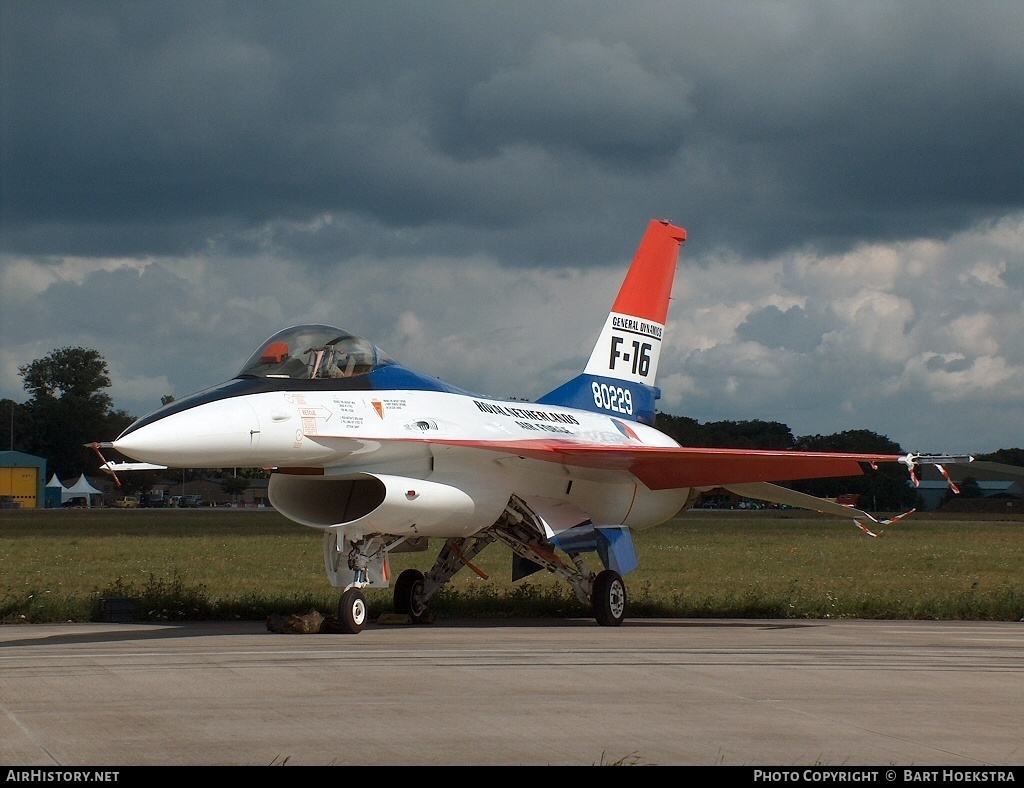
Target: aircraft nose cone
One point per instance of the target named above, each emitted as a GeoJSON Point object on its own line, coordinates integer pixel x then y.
{"type": "Point", "coordinates": [212, 435]}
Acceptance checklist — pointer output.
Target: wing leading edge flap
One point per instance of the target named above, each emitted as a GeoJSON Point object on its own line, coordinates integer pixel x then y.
{"type": "Point", "coordinates": [763, 491]}
{"type": "Point", "coordinates": [663, 468]}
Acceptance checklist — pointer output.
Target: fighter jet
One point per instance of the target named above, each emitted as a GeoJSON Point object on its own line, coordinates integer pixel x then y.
{"type": "Point", "coordinates": [382, 458]}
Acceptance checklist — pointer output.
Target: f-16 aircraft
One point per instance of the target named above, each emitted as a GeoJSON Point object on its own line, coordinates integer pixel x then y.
{"type": "Point", "coordinates": [381, 458]}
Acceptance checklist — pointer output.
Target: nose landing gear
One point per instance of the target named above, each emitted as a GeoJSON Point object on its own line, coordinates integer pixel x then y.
{"type": "Point", "coordinates": [352, 612]}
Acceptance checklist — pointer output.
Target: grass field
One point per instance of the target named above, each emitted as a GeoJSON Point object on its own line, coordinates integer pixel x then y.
{"type": "Point", "coordinates": [56, 565]}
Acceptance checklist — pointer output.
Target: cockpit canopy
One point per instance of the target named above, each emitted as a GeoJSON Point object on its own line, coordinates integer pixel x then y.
{"type": "Point", "coordinates": [314, 352]}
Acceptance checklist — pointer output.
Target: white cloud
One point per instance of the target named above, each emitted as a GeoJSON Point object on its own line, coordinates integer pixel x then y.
{"type": "Point", "coordinates": [920, 348]}
{"type": "Point", "coordinates": [954, 378]}
{"type": "Point", "coordinates": [917, 332]}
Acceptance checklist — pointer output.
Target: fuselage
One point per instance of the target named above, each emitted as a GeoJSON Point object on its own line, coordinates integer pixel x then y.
{"type": "Point", "coordinates": [335, 443]}
{"type": "Point", "coordinates": [289, 428]}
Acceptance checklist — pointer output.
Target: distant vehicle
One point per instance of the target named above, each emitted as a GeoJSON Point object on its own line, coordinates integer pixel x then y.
{"type": "Point", "coordinates": [154, 500]}
{"type": "Point", "coordinates": [188, 501]}
{"type": "Point", "coordinates": [75, 503]}
{"type": "Point", "coordinates": [128, 502]}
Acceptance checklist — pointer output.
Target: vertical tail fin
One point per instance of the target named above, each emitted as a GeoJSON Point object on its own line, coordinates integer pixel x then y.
{"type": "Point", "coordinates": [619, 378]}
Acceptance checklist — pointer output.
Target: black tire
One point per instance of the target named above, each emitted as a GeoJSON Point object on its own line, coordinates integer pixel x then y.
{"type": "Point", "coordinates": [409, 595]}
{"type": "Point", "coordinates": [609, 598]}
{"type": "Point", "coordinates": [352, 612]}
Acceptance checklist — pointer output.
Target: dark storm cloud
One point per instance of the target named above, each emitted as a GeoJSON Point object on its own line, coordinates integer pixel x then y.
{"type": "Point", "coordinates": [793, 328]}
{"type": "Point", "coordinates": [464, 182]}
{"type": "Point", "coordinates": [155, 127]}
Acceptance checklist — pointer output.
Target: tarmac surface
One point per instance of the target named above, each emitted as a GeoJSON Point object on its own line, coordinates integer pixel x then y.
{"type": "Point", "coordinates": [651, 692]}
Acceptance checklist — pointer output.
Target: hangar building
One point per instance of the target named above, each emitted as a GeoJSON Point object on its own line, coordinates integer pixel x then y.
{"type": "Point", "coordinates": [22, 480]}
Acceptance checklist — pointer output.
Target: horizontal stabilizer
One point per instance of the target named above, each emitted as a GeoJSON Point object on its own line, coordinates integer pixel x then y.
{"type": "Point", "coordinates": [763, 491]}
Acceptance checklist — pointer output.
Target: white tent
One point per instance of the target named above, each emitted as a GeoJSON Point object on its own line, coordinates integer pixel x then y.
{"type": "Point", "coordinates": [54, 493]}
{"type": "Point", "coordinates": [80, 489]}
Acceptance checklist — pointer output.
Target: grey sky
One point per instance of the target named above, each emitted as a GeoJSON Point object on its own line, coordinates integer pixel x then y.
{"type": "Point", "coordinates": [464, 183]}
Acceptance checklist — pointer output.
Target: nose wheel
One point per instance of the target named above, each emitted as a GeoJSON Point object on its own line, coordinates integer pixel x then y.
{"type": "Point", "coordinates": [352, 612]}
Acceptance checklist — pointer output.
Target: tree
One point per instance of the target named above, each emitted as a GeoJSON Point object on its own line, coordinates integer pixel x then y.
{"type": "Point", "coordinates": [1004, 456]}
{"type": "Point", "coordinates": [885, 489]}
{"type": "Point", "coordinates": [14, 425]}
{"type": "Point", "coordinates": [73, 372]}
{"type": "Point", "coordinates": [969, 489]}
{"type": "Point", "coordinates": [856, 441]}
{"type": "Point", "coordinates": [754, 434]}
{"type": "Point", "coordinates": [69, 408]}
{"type": "Point", "coordinates": [234, 485]}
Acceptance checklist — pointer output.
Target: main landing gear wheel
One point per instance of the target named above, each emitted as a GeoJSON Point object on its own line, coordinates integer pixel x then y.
{"type": "Point", "coordinates": [352, 611]}
{"type": "Point", "coordinates": [609, 598]}
{"type": "Point", "coordinates": [409, 595]}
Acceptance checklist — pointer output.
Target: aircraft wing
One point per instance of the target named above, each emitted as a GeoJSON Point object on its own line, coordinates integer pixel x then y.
{"type": "Point", "coordinates": [664, 468]}
{"type": "Point", "coordinates": [746, 472]}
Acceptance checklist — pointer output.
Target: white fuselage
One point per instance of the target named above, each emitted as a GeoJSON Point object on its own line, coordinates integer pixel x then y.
{"type": "Point", "coordinates": [426, 452]}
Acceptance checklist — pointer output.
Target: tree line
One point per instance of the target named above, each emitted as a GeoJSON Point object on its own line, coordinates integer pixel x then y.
{"type": "Point", "coordinates": [887, 489]}
{"type": "Point", "coordinates": [68, 407]}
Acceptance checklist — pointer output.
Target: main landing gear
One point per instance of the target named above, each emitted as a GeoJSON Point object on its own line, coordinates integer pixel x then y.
{"type": "Point", "coordinates": [519, 529]}
{"type": "Point", "coordinates": [609, 598]}
{"type": "Point", "coordinates": [409, 597]}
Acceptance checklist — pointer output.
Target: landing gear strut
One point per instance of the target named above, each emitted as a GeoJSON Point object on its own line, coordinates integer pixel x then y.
{"type": "Point", "coordinates": [605, 593]}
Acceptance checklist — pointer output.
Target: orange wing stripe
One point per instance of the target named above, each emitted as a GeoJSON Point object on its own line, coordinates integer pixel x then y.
{"type": "Point", "coordinates": [672, 467]}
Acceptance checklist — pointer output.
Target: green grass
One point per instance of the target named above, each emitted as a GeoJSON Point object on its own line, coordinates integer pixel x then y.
{"type": "Point", "coordinates": [56, 565]}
